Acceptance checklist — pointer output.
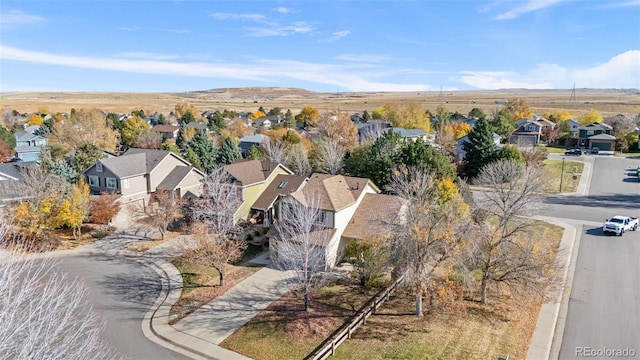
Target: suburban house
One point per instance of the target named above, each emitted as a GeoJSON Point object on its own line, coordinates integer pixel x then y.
{"type": "Point", "coordinates": [167, 131]}
{"type": "Point", "coordinates": [461, 154]}
{"type": "Point", "coordinates": [371, 128]}
{"type": "Point", "coordinates": [29, 146]}
{"type": "Point", "coordinates": [282, 185]}
{"type": "Point", "coordinates": [409, 134]}
{"type": "Point", "coordinates": [592, 135]}
{"type": "Point", "coordinates": [253, 177]}
{"type": "Point", "coordinates": [572, 126]}
{"type": "Point", "coordinates": [529, 132]}
{"type": "Point", "coordinates": [246, 142]}
{"type": "Point", "coordinates": [12, 180]}
{"type": "Point", "coordinates": [351, 208]}
{"type": "Point", "coordinates": [140, 172]}
{"type": "Point", "coordinates": [267, 121]}
{"type": "Point", "coordinates": [198, 125]}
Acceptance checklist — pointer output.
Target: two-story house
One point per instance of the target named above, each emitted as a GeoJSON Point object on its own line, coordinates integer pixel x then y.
{"type": "Point", "coordinates": [596, 135]}
{"type": "Point", "coordinates": [253, 177]}
{"type": "Point", "coordinates": [139, 172]}
{"type": "Point", "coordinates": [167, 131]}
{"type": "Point", "coordinates": [529, 132]}
{"type": "Point", "coordinates": [350, 209]}
{"type": "Point", "coordinates": [29, 146]}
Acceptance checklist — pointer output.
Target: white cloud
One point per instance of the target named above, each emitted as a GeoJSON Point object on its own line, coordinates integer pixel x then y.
{"type": "Point", "coordinates": [284, 10]}
{"type": "Point", "coordinates": [277, 30]}
{"type": "Point", "coordinates": [144, 55]}
{"type": "Point", "coordinates": [621, 71]}
{"type": "Point", "coordinates": [366, 58]}
{"type": "Point", "coordinates": [351, 77]}
{"type": "Point", "coordinates": [12, 17]}
{"type": "Point", "coordinates": [337, 35]}
{"type": "Point", "coordinates": [622, 4]}
{"type": "Point", "coordinates": [528, 6]}
{"type": "Point", "coordinates": [231, 16]}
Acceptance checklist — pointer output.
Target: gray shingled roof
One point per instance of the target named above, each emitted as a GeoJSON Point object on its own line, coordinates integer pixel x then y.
{"type": "Point", "coordinates": [249, 172]}
{"type": "Point", "coordinates": [174, 178]}
{"type": "Point", "coordinates": [153, 157]}
{"type": "Point", "coordinates": [602, 137]}
{"type": "Point", "coordinates": [290, 183]}
{"type": "Point", "coordinates": [25, 136]}
{"type": "Point", "coordinates": [334, 192]}
{"type": "Point", "coordinates": [126, 165]}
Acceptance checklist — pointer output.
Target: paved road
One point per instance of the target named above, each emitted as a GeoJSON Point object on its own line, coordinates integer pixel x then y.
{"type": "Point", "coordinates": [604, 305]}
{"type": "Point", "coordinates": [121, 291]}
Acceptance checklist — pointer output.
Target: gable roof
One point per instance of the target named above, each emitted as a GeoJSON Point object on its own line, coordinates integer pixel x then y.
{"type": "Point", "coordinates": [198, 125]}
{"type": "Point", "coordinates": [165, 128]}
{"type": "Point", "coordinates": [596, 125]}
{"type": "Point", "coordinates": [281, 185]}
{"type": "Point", "coordinates": [335, 192]}
{"type": "Point", "coordinates": [176, 176]}
{"type": "Point", "coordinates": [254, 139]}
{"type": "Point", "coordinates": [125, 165]}
{"type": "Point", "coordinates": [602, 137]}
{"type": "Point", "coordinates": [408, 133]}
{"type": "Point", "coordinates": [26, 136]}
{"type": "Point", "coordinates": [375, 215]}
{"type": "Point", "coordinates": [249, 172]}
{"type": "Point", "coordinates": [152, 157]}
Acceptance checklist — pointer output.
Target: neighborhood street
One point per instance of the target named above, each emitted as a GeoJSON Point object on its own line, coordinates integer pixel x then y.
{"type": "Point", "coordinates": [604, 303]}
{"type": "Point", "coordinates": [121, 291]}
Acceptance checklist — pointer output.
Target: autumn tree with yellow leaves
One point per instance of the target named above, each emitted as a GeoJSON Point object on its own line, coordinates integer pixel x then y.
{"type": "Point", "coordinates": [590, 117]}
{"type": "Point", "coordinates": [519, 108]}
{"type": "Point", "coordinates": [85, 126]}
{"type": "Point", "coordinates": [409, 116]}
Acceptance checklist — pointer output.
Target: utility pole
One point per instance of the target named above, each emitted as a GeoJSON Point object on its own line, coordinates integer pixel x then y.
{"type": "Point", "coordinates": [561, 175]}
{"type": "Point", "coordinates": [572, 98]}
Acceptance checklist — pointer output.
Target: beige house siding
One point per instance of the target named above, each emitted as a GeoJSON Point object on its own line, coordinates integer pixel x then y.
{"type": "Point", "coordinates": [137, 188]}
{"type": "Point", "coordinates": [251, 193]}
{"type": "Point", "coordinates": [192, 183]}
{"type": "Point", "coordinates": [160, 172]}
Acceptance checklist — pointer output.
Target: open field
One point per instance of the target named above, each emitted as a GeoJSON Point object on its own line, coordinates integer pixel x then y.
{"type": "Point", "coordinates": [608, 102]}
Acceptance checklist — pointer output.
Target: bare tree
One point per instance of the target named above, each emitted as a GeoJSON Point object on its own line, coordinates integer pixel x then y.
{"type": "Point", "coordinates": [371, 132]}
{"type": "Point", "coordinates": [149, 140]}
{"type": "Point", "coordinates": [430, 235]}
{"type": "Point", "coordinates": [445, 138]}
{"type": "Point", "coordinates": [501, 249]}
{"type": "Point", "coordinates": [44, 315]}
{"type": "Point", "coordinates": [299, 245]}
{"type": "Point", "coordinates": [274, 150]}
{"type": "Point", "coordinates": [216, 243]}
{"type": "Point", "coordinates": [297, 160]}
{"type": "Point", "coordinates": [163, 209]}
{"type": "Point", "coordinates": [329, 156]}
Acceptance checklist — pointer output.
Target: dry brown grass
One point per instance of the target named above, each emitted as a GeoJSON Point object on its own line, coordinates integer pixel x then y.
{"type": "Point", "coordinates": [285, 331]}
{"type": "Point", "coordinates": [483, 332]}
{"type": "Point", "coordinates": [608, 102]}
{"type": "Point", "coordinates": [144, 245]}
{"type": "Point", "coordinates": [68, 242]}
{"type": "Point", "coordinates": [201, 284]}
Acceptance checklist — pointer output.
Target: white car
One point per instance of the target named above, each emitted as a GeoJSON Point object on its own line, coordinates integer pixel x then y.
{"type": "Point", "coordinates": [619, 224]}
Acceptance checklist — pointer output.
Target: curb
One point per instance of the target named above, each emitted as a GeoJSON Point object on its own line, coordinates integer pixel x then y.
{"type": "Point", "coordinates": [155, 324]}
{"type": "Point", "coordinates": [548, 331]}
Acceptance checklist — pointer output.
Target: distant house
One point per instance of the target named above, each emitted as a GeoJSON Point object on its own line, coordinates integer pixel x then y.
{"type": "Point", "coordinates": [253, 177]}
{"type": "Point", "coordinates": [29, 146]}
{"type": "Point", "coordinates": [573, 126]}
{"type": "Point", "coordinates": [371, 129]}
{"type": "Point", "coordinates": [409, 134]}
{"type": "Point", "coordinates": [461, 154]}
{"type": "Point", "coordinates": [198, 125]}
{"type": "Point", "coordinates": [248, 141]}
{"type": "Point", "coordinates": [529, 132]}
{"type": "Point", "coordinates": [167, 131]}
{"type": "Point", "coordinates": [139, 172]}
{"type": "Point", "coordinates": [587, 136]}
{"type": "Point", "coordinates": [267, 121]}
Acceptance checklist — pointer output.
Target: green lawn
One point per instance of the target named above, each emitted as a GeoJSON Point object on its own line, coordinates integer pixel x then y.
{"type": "Point", "coordinates": [554, 169]}
{"type": "Point", "coordinates": [554, 150]}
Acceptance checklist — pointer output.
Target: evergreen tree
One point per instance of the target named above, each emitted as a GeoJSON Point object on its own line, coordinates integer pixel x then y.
{"type": "Point", "coordinates": [162, 120]}
{"type": "Point", "coordinates": [480, 149]}
{"type": "Point", "coordinates": [254, 154]}
{"type": "Point", "coordinates": [86, 155]}
{"type": "Point", "coordinates": [7, 137]}
{"type": "Point", "coordinates": [215, 122]}
{"type": "Point", "coordinates": [289, 119]}
{"type": "Point", "coordinates": [187, 118]}
{"type": "Point", "coordinates": [229, 152]}
{"type": "Point", "coordinates": [424, 156]}
{"type": "Point", "coordinates": [45, 129]}
{"type": "Point", "coordinates": [477, 113]}
{"type": "Point", "coordinates": [206, 151]}
{"type": "Point", "coordinates": [365, 116]}
{"type": "Point", "coordinates": [192, 157]}
{"type": "Point", "coordinates": [376, 162]}
{"type": "Point", "coordinates": [167, 146]}
{"type": "Point", "coordinates": [511, 153]}
{"type": "Point", "coordinates": [274, 111]}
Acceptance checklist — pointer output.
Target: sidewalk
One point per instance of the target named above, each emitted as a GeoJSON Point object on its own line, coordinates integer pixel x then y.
{"type": "Point", "coordinates": [199, 334]}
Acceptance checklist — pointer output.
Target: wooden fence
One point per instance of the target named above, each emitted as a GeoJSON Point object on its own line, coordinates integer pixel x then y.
{"type": "Point", "coordinates": [328, 347]}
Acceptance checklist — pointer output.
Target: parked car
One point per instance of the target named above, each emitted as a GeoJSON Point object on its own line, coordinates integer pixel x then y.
{"type": "Point", "coordinates": [576, 152]}
{"type": "Point", "coordinates": [619, 224]}
{"type": "Point", "coordinates": [595, 150]}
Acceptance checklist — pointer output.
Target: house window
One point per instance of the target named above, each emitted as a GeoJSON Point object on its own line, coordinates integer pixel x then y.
{"type": "Point", "coordinates": [125, 183]}
{"type": "Point", "coordinates": [112, 183]}
{"type": "Point", "coordinates": [282, 184]}
{"type": "Point", "coordinates": [532, 128]}
{"type": "Point", "coordinates": [94, 181]}
{"type": "Point", "coordinates": [589, 132]}
{"type": "Point", "coordinates": [321, 217]}
{"type": "Point", "coordinates": [99, 167]}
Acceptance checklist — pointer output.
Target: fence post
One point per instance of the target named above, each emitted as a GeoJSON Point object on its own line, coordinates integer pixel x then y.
{"type": "Point", "coordinates": [349, 333]}
{"type": "Point", "coordinates": [333, 348]}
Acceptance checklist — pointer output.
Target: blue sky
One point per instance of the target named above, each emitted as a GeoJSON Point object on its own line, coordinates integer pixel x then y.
{"type": "Point", "coordinates": [185, 45]}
